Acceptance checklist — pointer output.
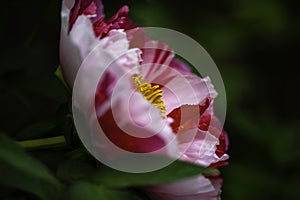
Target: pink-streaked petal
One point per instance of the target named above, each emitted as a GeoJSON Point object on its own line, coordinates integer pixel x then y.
{"type": "Point", "coordinates": [179, 85]}
{"type": "Point", "coordinates": [98, 62]}
{"type": "Point", "coordinates": [160, 67]}
{"type": "Point", "coordinates": [121, 65]}
{"type": "Point", "coordinates": [198, 188]}
{"type": "Point", "coordinates": [125, 141]}
{"type": "Point", "coordinates": [134, 124]}
{"type": "Point", "coordinates": [138, 128]}
{"type": "Point", "coordinates": [180, 65]}
{"type": "Point", "coordinates": [179, 89]}
{"type": "Point", "coordinates": [155, 54]}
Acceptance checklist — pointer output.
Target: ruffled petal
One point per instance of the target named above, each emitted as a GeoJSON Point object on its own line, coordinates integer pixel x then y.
{"type": "Point", "coordinates": [199, 134]}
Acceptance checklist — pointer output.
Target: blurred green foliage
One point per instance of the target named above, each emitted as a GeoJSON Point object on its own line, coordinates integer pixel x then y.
{"type": "Point", "coordinates": [255, 45]}
{"type": "Point", "coordinates": [79, 179]}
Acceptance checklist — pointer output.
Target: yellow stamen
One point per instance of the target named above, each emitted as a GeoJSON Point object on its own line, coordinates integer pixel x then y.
{"type": "Point", "coordinates": [151, 93]}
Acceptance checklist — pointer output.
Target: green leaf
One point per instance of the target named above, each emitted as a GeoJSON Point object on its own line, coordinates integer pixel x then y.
{"type": "Point", "coordinates": [59, 74]}
{"type": "Point", "coordinates": [173, 172]}
{"type": "Point", "coordinates": [21, 171]}
{"type": "Point", "coordinates": [89, 191]}
{"type": "Point", "coordinates": [73, 170]}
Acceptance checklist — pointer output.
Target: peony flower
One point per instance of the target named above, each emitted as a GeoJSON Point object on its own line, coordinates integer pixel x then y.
{"type": "Point", "coordinates": [190, 116]}
{"type": "Point", "coordinates": [146, 100]}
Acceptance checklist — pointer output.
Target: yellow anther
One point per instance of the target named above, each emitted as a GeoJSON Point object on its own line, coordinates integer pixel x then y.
{"type": "Point", "coordinates": [151, 92]}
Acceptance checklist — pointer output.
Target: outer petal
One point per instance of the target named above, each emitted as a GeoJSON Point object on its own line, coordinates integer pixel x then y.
{"type": "Point", "coordinates": [76, 44]}
{"type": "Point", "coordinates": [198, 188]}
{"type": "Point", "coordinates": [110, 51]}
{"type": "Point", "coordinates": [70, 58]}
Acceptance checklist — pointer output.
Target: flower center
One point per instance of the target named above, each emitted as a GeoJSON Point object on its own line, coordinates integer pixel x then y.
{"type": "Point", "coordinates": [151, 92]}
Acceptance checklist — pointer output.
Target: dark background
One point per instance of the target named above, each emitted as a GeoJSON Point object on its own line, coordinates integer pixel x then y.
{"type": "Point", "coordinates": [255, 45]}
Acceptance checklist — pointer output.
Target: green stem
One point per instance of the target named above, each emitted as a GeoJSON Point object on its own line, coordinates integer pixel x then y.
{"type": "Point", "coordinates": [43, 143]}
